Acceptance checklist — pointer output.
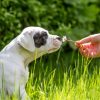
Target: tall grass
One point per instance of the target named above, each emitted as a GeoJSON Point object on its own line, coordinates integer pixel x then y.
{"type": "Point", "coordinates": [78, 81]}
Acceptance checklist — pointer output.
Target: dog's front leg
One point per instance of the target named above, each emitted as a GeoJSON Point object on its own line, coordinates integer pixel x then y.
{"type": "Point", "coordinates": [23, 94]}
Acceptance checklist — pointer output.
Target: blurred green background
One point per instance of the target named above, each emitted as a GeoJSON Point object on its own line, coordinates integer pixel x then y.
{"type": "Point", "coordinates": [73, 18]}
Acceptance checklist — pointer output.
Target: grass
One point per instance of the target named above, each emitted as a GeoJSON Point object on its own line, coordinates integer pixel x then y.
{"type": "Point", "coordinates": [77, 84]}
{"type": "Point", "coordinates": [79, 80]}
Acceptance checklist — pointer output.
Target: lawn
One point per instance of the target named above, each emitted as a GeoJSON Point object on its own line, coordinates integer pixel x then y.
{"type": "Point", "coordinates": [79, 83]}
{"type": "Point", "coordinates": [57, 80]}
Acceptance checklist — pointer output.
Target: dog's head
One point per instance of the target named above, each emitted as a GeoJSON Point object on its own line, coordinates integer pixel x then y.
{"type": "Point", "coordinates": [37, 38]}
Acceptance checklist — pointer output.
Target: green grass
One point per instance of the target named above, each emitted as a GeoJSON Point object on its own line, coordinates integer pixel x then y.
{"type": "Point", "coordinates": [77, 84]}
{"type": "Point", "coordinates": [79, 80]}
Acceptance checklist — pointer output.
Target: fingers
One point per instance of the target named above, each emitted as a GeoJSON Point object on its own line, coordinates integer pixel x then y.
{"type": "Point", "coordinates": [89, 46]}
{"type": "Point", "coordinates": [95, 38]}
{"type": "Point", "coordinates": [89, 50]}
{"type": "Point", "coordinates": [84, 40]}
{"type": "Point", "coordinates": [91, 38]}
{"type": "Point", "coordinates": [84, 50]}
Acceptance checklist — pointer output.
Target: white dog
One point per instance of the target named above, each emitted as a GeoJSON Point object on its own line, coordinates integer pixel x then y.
{"type": "Point", "coordinates": [32, 43]}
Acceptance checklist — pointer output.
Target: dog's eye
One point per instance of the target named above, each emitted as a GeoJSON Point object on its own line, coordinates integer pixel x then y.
{"type": "Point", "coordinates": [44, 35]}
{"type": "Point", "coordinates": [40, 39]}
{"type": "Point", "coordinates": [36, 36]}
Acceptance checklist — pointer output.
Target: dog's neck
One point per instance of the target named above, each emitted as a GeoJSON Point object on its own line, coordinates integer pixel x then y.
{"type": "Point", "coordinates": [18, 51]}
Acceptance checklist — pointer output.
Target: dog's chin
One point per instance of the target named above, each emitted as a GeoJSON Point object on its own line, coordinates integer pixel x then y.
{"type": "Point", "coordinates": [52, 50]}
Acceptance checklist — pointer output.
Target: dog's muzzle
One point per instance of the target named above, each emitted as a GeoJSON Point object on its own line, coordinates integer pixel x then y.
{"type": "Point", "coordinates": [56, 44]}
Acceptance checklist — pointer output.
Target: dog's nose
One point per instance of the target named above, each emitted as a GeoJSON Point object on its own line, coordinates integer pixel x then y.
{"type": "Point", "coordinates": [59, 38]}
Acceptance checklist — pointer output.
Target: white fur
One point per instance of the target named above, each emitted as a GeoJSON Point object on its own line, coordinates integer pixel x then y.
{"type": "Point", "coordinates": [16, 56]}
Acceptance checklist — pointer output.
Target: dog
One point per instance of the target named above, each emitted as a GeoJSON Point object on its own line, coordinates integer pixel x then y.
{"type": "Point", "coordinates": [32, 43]}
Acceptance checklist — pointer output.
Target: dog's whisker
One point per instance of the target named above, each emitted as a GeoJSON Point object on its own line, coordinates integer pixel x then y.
{"type": "Point", "coordinates": [64, 39]}
{"type": "Point", "coordinates": [71, 41]}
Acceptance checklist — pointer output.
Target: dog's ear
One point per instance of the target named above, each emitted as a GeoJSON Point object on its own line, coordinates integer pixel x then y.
{"type": "Point", "coordinates": [25, 40]}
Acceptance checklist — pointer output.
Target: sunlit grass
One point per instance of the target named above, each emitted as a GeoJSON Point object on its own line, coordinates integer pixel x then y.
{"type": "Point", "coordinates": [78, 84]}
{"type": "Point", "coordinates": [81, 82]}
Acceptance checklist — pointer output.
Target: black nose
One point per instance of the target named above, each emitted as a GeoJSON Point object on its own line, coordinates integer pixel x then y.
{"type": "Point", "coordinates": [59, 38]}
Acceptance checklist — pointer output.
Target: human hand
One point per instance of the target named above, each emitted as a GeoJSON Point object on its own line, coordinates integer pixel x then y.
{"type": "Point", "coordinates": [89, 46]}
